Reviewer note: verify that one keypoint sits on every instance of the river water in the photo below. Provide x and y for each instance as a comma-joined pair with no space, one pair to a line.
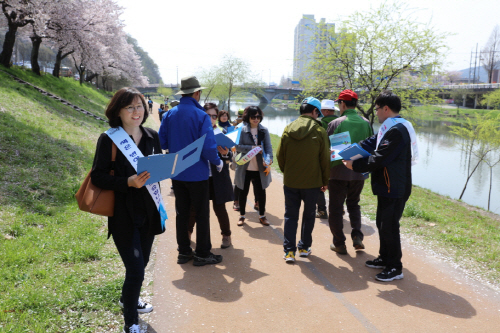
442,165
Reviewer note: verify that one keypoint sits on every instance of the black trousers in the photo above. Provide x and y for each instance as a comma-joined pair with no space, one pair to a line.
219,210
389,212
135,257
195,195
254,178
321,202
347,191
237,192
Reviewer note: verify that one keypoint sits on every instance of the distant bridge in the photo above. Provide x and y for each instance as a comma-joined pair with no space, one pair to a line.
264,94
268,93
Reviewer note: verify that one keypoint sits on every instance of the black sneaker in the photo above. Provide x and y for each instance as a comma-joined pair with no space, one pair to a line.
184,258
389,274
210,260
376,263
142,307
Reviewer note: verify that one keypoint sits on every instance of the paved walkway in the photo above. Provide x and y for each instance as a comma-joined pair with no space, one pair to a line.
254,290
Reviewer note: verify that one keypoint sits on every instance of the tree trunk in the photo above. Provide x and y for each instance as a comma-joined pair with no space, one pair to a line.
57,65
489,193
468,178
8,45
59,58
36,42
89,78
229,99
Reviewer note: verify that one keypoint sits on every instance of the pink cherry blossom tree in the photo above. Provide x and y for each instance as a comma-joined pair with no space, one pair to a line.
18,13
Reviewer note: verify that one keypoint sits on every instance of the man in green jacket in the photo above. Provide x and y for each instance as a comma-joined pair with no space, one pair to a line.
328,110
346,185
304,158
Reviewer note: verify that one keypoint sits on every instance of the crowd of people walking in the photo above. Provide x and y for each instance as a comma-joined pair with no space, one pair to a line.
303,155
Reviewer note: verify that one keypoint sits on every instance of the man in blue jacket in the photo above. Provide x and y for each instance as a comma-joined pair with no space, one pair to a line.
181,126
390,164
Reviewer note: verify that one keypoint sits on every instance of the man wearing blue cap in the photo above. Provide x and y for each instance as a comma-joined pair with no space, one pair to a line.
304,158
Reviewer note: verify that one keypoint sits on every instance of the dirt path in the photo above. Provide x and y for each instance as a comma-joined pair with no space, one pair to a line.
254,290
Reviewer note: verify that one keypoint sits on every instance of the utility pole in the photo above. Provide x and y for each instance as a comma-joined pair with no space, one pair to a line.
475,65
470,65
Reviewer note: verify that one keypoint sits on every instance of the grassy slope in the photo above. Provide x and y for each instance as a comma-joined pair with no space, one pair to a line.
59,273
469,235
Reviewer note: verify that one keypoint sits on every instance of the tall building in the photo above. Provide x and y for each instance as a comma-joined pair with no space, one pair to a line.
305,44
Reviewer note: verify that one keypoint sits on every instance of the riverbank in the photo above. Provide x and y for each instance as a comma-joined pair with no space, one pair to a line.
59,272
467,235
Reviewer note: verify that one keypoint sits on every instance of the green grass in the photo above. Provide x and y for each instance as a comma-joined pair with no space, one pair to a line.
59,272
437,112
470,235
84,96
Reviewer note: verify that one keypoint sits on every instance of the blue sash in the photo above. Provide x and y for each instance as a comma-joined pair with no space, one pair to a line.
130,150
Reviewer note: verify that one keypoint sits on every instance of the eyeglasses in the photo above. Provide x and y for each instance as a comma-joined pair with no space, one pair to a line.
131,109
214,116
256,117
380,107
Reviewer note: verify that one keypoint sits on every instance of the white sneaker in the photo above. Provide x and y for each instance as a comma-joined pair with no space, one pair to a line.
132,329
142,307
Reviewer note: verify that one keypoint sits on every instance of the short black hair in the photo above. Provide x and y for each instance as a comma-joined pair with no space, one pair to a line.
122,98
252,111
307,108
352,103
389,99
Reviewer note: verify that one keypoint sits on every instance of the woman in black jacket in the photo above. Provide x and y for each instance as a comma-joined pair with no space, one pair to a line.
220,186
136,219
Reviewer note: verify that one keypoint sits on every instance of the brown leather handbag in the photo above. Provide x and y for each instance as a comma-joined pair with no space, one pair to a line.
95,200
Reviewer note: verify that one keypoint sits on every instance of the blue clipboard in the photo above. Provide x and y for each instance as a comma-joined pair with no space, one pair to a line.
354,152
164,166
223,141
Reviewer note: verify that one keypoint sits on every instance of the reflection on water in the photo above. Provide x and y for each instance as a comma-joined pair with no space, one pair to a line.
442,166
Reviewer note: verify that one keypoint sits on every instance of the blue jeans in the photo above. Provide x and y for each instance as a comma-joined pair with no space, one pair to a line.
293,199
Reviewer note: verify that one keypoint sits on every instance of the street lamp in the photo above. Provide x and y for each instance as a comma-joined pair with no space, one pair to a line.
82,69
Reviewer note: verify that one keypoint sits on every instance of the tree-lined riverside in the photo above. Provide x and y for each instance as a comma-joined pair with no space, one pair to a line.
58,270
442,167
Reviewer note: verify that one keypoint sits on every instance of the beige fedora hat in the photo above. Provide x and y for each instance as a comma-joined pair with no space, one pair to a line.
189,85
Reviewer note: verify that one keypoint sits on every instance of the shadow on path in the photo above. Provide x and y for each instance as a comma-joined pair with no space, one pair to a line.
223,281
414,293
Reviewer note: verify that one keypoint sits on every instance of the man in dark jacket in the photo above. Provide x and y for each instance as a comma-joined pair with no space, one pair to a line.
346,185
390,165
304,158
180,127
